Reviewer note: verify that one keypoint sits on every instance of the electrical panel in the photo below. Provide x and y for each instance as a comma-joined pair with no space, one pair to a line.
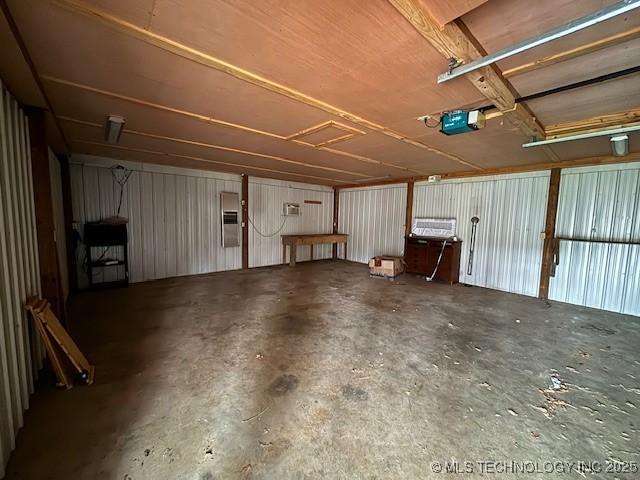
230,212
291,209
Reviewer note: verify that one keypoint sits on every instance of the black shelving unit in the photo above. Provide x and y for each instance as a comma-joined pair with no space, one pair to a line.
104,236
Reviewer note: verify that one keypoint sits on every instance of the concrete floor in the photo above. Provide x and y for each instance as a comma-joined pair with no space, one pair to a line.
322,372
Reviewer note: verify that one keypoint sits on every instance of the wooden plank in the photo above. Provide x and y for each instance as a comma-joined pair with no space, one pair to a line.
409,209
207,160
215,147
565,55
60,335
213,120
65,175
613,120
444,12
34,307
533,167
220,65
455,41
45,227
245,221
549,233
336,212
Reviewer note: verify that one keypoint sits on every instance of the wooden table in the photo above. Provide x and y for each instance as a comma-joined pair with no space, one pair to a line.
309,239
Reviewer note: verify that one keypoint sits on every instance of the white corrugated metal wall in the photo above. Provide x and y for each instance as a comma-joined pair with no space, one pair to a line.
599,203
174,219
20,350
374,219
511,209
266,199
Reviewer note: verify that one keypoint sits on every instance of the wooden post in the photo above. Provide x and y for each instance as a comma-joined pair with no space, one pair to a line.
45,226
549,233
65,175
409,211
336,210
245,221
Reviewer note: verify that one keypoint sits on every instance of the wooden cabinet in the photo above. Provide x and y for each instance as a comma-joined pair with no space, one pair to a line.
421,256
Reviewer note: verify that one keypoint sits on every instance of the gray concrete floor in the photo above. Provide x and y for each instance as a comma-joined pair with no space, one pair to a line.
319,371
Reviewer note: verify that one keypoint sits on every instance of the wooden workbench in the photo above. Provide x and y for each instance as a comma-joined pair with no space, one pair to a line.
309,239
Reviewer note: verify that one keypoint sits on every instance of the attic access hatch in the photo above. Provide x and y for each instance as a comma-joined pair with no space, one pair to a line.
326,133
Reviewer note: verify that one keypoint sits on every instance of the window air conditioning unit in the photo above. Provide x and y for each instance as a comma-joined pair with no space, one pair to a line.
434,227
290,209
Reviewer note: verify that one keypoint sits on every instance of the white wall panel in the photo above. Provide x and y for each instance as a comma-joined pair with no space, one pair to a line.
20,350
173,216
374,218
266,199
511,209
599,203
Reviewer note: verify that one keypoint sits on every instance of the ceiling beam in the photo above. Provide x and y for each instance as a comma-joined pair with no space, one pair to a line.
585,49
228,68
533,167
216,121
214,147
455,41
587,125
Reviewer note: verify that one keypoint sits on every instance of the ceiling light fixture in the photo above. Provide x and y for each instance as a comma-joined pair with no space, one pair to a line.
620,145
113,130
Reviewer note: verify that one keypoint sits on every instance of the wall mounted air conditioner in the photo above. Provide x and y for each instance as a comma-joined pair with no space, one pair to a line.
290,209
434,227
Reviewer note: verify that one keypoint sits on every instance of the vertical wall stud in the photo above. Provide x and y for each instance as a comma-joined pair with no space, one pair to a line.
47,252
65,175
549,233
336,211
409,213
245,221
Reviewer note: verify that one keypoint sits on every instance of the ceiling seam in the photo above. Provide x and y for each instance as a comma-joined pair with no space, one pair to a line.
213,120
214,147
210,61
205,160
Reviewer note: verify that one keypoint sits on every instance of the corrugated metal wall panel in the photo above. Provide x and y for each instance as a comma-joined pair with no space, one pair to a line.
267,223
374,218
600,203
20,350
511,209
173,216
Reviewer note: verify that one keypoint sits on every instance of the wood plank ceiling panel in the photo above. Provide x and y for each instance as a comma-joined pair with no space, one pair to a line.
86,134
89,107
14,70
131,155
362,57
501,23
613,96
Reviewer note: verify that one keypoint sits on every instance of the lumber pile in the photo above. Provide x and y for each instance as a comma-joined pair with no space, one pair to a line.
67,360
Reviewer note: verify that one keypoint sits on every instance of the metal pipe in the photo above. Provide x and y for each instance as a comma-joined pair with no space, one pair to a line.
580,84
581,136
559,32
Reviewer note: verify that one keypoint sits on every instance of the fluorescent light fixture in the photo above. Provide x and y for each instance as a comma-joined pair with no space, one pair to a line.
113,130
620,145
581,136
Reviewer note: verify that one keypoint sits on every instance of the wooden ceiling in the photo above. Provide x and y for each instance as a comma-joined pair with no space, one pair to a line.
323,92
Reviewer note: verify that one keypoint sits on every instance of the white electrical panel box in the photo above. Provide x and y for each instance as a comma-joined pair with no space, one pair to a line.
291,209
230,212
434,227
